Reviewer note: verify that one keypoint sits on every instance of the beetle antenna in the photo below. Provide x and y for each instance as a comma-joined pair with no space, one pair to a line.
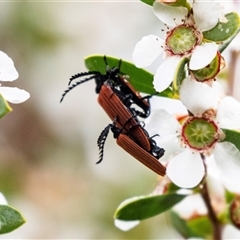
74,85
78,75
101,141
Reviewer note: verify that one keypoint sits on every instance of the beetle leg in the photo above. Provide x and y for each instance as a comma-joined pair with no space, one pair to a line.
101,141
103,136
156,150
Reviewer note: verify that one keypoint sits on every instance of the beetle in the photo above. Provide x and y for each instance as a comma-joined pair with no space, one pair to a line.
118,83
116,95
113,85
148,158
130,135
126,120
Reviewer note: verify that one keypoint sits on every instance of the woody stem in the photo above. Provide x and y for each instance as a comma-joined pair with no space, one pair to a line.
211,214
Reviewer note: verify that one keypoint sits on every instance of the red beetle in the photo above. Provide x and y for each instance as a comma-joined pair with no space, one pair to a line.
116,96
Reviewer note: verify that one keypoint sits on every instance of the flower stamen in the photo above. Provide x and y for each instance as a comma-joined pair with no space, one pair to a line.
200,133
182,39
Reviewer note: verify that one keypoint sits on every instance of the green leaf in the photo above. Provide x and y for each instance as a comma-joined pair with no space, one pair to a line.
229,196
148,2
181,226
180,74
233,137
10,219
222,31
143,207
172,188
199,227
226,43
4,107
139,78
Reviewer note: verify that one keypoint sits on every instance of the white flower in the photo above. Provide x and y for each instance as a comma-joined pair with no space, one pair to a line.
230,232
3,200
188,43
126,225
186,167
191,206
8,73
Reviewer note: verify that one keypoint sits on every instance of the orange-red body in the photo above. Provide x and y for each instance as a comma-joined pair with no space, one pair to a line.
133,138
140,154
125,120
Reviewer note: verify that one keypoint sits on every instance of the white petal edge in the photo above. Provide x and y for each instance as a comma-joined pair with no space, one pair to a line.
7,70
168,14
202,55
147,50
171,145
173,106
230,232
14,94
165,73
206,20
213,178
227,158
228,114
198,97
219,89
167,127
3,200
125,225
161,122
190,206
186,169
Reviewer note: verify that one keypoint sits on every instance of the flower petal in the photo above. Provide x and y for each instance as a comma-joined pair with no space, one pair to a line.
162,123
197,97
227,158
186,169
7,69
3,200
14,94
165,73
171,145
219,89
213,178
202,55
191,206
172,106
168,14
230,232
125,225
228,114
147,50
206,20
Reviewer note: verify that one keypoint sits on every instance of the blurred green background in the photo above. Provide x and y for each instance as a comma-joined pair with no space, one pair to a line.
48,150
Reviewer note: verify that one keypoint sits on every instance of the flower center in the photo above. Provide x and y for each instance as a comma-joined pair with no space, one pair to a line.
200,133
182,39
211,70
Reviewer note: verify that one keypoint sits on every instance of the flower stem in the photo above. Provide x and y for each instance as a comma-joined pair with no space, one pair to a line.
212,215
234,55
